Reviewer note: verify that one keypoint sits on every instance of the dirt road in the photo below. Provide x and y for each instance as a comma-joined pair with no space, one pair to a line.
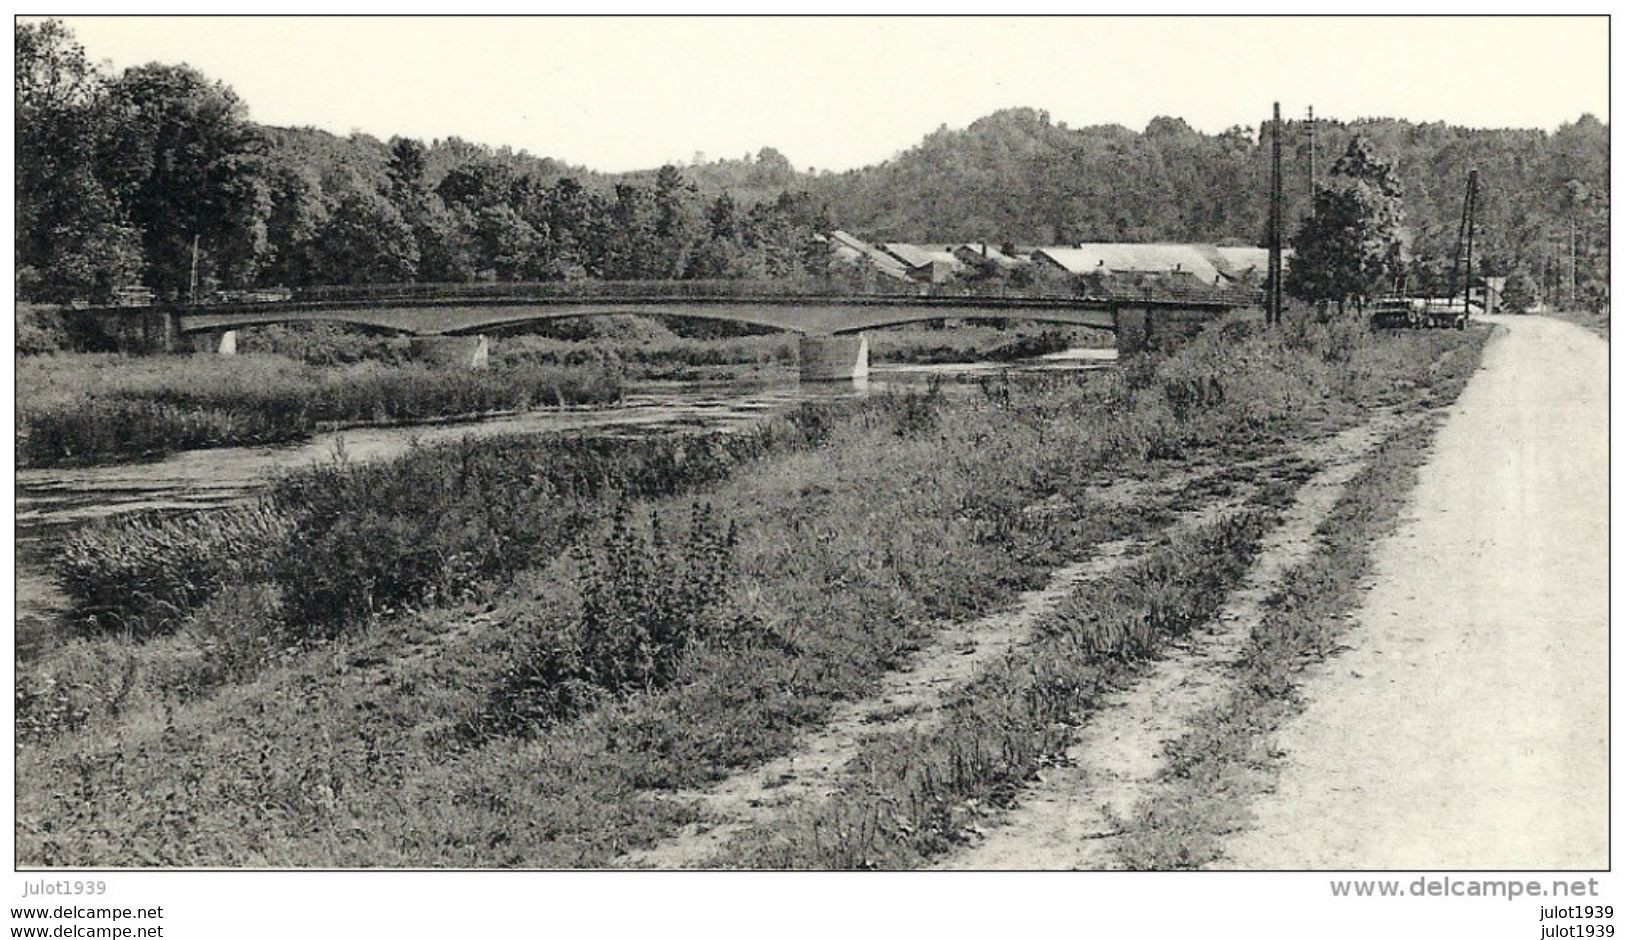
1467,725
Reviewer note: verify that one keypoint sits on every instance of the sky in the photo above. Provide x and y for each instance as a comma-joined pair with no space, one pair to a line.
835,93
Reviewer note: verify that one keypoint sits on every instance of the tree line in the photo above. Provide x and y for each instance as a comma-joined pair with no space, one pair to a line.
157,172
120,176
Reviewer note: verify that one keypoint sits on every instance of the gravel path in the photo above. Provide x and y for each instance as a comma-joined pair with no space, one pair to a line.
1466,727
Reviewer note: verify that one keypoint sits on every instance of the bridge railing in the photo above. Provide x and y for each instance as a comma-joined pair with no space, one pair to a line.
756,290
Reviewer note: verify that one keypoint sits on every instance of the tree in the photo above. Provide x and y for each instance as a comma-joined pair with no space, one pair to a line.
507,245
74,239
408,176
298,212
677,224
446,246
1349,247
365,241
182,157
630,242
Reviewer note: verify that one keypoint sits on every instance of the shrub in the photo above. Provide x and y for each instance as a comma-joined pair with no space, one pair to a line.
343,542
645,602
40,330
143,410
322,344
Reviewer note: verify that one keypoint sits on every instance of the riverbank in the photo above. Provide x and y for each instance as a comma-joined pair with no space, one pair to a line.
85,409
677,634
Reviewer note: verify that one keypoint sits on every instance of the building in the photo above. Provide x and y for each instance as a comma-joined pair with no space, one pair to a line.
852,249
1209,265
932,264
1108,258
1245,265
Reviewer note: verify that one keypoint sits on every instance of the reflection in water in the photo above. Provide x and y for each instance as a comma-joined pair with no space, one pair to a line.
51,500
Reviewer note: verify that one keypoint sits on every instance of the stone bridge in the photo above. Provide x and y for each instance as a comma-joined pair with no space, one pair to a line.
451,323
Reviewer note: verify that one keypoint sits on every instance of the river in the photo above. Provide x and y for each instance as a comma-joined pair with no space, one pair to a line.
53,500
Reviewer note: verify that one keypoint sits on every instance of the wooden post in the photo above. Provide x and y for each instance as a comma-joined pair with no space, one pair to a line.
1272,313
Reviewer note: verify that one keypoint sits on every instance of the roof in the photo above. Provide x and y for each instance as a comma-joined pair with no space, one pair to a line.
851,248
1234,261
918,256
984,252
1121,257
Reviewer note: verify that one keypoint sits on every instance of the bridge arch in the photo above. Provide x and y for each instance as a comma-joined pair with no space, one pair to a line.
811,318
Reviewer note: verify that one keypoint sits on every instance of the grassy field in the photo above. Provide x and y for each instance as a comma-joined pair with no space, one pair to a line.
660,617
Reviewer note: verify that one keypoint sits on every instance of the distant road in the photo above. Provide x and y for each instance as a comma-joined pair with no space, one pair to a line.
1468,725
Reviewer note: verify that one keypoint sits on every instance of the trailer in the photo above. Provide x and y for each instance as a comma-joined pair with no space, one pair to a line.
1401,309
1398,311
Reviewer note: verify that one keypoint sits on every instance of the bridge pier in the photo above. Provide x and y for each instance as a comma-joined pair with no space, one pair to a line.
1133,329
834,358
222,342
469,352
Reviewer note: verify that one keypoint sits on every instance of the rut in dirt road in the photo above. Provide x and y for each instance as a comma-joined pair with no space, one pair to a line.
1068,818
914,698
1466,726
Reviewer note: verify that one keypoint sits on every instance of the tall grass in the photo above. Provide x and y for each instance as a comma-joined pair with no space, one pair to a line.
343,542
972,342
98,408
86,409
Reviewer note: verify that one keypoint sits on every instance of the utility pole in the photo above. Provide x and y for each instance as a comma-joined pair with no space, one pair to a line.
1311,161
192,293
1574,303
1272,310
1461,272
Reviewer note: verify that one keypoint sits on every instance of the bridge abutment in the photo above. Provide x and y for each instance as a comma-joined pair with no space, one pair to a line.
834,358
469,352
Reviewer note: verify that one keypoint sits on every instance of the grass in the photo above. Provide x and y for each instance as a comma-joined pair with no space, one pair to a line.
421,733
915,795
344,542
1596,321
1227,758
971,342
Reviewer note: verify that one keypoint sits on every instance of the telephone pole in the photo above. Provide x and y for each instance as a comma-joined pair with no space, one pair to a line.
192,292
1574,303
1311,161
1272,310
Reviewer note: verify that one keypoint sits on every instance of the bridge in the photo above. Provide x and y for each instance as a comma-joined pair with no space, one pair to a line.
451,323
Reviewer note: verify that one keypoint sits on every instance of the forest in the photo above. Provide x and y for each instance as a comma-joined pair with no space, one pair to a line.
122,178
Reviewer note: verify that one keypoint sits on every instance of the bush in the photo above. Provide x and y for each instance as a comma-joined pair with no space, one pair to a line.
322,344
40,330
343,542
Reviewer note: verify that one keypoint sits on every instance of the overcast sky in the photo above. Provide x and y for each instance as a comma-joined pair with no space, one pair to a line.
835,93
